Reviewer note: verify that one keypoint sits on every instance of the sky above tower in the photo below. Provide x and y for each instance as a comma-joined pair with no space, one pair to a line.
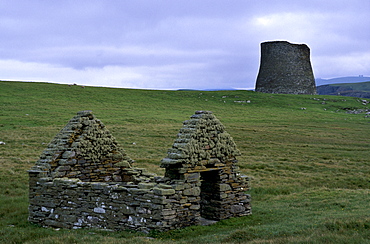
173,44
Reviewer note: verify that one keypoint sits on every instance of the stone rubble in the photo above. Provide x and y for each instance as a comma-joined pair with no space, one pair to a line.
84,179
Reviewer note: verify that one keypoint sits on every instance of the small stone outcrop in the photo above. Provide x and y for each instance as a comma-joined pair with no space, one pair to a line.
285,68
84,179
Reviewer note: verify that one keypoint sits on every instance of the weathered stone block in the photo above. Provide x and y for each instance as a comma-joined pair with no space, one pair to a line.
168,212
144,185
192,191
194,207
192,177
164,192
68,154
237,209
99,210
225,187
54,223
178,187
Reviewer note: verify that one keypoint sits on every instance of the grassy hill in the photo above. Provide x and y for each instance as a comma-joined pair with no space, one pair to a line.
347,79
360,89
307,158
359,86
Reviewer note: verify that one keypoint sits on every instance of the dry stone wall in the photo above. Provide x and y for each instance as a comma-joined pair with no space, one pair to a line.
285,68
84,179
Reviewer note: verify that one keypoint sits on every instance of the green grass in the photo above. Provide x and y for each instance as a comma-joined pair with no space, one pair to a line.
307,158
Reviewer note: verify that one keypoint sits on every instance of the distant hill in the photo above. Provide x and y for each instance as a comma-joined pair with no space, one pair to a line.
360,89
348,79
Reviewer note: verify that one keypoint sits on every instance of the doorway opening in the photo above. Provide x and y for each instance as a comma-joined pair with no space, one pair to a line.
210,200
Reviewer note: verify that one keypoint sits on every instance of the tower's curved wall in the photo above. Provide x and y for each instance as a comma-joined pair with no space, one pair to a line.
285,68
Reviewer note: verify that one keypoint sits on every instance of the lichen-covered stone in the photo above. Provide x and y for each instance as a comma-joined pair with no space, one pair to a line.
163,192
206,141
85,145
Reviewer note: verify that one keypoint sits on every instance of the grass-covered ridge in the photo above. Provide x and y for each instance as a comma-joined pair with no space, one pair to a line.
359,89
359,86
308,159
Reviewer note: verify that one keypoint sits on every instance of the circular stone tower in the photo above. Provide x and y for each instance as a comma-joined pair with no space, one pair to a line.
285,68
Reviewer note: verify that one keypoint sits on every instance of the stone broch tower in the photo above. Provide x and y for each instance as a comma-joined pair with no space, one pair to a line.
285,68
84,179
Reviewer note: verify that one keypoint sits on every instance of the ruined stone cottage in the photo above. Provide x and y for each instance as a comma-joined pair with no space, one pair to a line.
285,68
84,179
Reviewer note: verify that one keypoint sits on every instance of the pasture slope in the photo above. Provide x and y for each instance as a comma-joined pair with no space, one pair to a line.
308,159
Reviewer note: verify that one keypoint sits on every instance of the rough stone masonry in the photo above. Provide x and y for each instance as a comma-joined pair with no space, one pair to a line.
285,68
84,179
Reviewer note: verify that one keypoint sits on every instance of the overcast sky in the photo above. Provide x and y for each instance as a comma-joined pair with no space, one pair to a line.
170,44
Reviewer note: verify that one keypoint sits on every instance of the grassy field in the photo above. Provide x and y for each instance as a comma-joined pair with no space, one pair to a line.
309,160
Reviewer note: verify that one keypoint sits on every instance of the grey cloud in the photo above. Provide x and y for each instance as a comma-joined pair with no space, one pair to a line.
180,43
